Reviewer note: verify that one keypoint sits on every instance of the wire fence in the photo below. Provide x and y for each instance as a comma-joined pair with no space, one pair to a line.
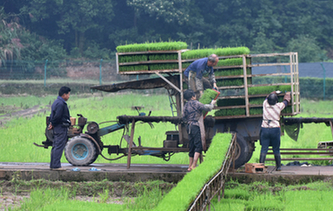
316,79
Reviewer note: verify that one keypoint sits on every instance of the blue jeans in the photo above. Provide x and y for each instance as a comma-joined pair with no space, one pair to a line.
270,137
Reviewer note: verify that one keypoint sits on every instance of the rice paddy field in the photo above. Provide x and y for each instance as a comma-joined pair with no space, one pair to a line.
19,132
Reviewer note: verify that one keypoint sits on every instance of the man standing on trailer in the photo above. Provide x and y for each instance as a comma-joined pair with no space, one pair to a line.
59,122
193,110
270,127
195,72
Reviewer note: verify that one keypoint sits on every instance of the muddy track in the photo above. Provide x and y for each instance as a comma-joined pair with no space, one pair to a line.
25,113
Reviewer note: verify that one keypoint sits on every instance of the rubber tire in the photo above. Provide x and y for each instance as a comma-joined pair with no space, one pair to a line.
243,152
88,146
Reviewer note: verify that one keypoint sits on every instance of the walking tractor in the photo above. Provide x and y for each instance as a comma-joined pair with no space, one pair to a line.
238,110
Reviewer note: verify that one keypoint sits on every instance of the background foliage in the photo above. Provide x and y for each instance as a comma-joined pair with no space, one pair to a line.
93,28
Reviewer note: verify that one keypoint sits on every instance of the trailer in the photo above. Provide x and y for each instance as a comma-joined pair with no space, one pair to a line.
246,125
243,117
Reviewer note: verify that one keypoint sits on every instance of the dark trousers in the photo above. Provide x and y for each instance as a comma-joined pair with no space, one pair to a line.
59,143
194,136
270,137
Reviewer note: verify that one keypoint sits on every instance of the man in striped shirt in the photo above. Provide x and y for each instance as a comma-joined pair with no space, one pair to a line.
192,113
270,127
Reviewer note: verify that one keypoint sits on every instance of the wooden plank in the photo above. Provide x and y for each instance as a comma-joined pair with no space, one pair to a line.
147,72
268,64
227,67
130,145
231,87
245,87
166,80
275,84
252,75
268,55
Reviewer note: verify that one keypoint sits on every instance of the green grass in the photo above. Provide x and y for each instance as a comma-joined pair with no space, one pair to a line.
181,196
99,109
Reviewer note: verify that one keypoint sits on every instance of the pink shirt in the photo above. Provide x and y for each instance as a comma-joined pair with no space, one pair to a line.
271,114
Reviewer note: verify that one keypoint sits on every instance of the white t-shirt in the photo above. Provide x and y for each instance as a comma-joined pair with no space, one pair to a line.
271,114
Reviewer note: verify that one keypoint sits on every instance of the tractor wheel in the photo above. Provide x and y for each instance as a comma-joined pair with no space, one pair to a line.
80,151
243,152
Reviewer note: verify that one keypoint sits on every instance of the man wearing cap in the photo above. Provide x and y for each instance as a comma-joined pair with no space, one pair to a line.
270,128
195,72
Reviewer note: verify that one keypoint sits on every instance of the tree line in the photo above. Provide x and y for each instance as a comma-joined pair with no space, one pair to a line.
59,29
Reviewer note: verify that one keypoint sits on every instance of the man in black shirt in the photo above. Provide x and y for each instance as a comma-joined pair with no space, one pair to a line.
59,122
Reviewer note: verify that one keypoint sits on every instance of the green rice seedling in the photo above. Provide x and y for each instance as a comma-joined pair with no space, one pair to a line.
200,53
163,66
132,48
287,110
132,58
256,111
231,82
230,72
181,196
163,57
230,102
231,112
231,62
268,89
166,46
237,193
308,200
207,96
232,51
196,54
266,201
158,46
133,68
186,64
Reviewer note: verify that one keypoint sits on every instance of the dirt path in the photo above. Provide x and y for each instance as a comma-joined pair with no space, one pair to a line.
25,113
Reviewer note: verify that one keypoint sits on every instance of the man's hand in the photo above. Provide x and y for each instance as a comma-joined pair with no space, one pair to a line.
214,85
50,127
287,97
213,102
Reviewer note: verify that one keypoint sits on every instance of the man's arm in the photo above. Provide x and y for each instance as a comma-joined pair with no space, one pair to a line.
209,107
57,114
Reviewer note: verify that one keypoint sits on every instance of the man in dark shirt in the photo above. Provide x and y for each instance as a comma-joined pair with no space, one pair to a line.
59,122
193,111
195,72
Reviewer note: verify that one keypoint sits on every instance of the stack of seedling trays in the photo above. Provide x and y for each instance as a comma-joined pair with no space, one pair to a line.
148,58
240,98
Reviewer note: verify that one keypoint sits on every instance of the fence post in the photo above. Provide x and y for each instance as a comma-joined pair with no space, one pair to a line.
100,72
324,80
45,72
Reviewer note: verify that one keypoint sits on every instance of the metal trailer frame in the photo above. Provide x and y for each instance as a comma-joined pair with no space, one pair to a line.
246,126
